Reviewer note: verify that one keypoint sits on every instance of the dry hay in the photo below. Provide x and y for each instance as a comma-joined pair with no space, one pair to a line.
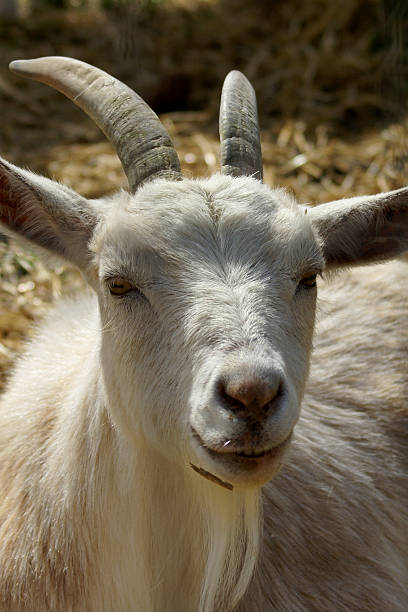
27,289
320,69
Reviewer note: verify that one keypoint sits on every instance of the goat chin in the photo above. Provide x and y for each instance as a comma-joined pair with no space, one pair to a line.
231,469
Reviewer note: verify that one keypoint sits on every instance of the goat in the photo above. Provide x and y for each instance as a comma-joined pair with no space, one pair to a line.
149,458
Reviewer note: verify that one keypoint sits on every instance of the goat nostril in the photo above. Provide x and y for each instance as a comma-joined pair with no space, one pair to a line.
231,401
273,401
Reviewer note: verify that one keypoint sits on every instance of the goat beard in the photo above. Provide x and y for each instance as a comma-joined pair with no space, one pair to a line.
234,533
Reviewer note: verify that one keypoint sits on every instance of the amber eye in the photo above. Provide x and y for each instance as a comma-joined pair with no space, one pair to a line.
120,286
309,281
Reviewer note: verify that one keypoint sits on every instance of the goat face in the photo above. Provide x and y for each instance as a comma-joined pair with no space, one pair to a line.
208,321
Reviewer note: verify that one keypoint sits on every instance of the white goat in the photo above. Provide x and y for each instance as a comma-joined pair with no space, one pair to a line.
142,433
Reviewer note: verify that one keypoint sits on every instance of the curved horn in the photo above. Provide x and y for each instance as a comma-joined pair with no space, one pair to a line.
239,131
142,144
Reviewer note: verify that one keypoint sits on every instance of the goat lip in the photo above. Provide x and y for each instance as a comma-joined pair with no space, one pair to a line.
242,456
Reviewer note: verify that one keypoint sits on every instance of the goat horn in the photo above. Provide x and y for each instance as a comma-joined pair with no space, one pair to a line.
239,130
142,144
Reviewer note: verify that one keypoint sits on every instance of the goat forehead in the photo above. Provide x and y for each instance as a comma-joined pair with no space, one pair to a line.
218,197
236,218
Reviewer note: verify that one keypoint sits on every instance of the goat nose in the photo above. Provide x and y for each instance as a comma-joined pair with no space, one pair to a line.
254,396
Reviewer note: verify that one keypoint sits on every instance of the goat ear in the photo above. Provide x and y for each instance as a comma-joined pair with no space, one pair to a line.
364,229
46,213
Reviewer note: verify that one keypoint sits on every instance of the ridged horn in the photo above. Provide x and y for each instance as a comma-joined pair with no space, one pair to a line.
239,130
141,142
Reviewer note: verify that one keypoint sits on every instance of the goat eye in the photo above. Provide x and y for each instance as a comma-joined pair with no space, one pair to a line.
120,286
309,281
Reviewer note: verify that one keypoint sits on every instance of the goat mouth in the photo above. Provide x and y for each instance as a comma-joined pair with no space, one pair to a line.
242,458
253,454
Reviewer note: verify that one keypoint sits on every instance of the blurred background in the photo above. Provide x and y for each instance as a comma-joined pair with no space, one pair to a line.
331,78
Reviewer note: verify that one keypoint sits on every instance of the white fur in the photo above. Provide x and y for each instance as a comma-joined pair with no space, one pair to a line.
101,509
